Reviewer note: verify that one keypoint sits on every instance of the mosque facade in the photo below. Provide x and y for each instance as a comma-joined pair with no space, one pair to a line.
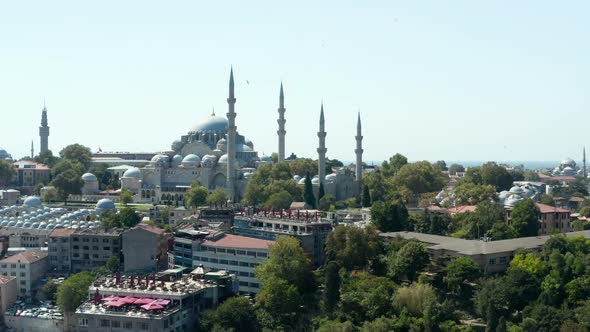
214,154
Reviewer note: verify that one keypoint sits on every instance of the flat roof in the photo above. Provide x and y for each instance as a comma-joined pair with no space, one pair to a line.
477,247
239,242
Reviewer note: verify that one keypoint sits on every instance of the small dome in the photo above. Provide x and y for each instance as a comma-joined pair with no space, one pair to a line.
331,177
315,180
177,159
105,204
243,148
132,173
191,160
568,162
222,141
160,157
249,143
265,158
517,190
301,181
211,124
296,178
223,159
89,177
32,201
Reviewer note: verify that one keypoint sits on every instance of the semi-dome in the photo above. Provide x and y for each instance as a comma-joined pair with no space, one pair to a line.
568,162
132,173
265,158
517,190
160,157
223,159
191,160
177,159
105,204
243,148
211,124
315,180
32,201
301,181
89,177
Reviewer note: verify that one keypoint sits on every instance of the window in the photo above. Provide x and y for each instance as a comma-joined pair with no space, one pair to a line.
94,248
13,266
23,282
243,274
127,325
22,274
262,254
233,262
86,248
82,321
76,239
115,323
23,290
223,261
143,326
76,247
241,252
213,260
252,253
492,261
106,248
244,264
104,323
503,260
105,240
3,266
76,254
94,255
94,240
85,239
13,274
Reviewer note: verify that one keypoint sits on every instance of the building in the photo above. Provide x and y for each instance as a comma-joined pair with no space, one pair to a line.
220,251
174,214
144,249
492,257
130,303
30,173
91,248
7,292
59,251
213,153
306,226
552,219
25,237
9,197
28,267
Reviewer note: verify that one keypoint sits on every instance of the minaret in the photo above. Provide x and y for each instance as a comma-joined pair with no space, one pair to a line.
584,164
231,138
32,150
359,154
322,148
44,130
281,121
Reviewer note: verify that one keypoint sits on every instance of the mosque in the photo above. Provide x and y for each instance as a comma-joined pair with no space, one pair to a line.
213,153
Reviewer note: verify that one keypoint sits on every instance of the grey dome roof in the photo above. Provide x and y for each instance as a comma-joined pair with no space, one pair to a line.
132,173
211,124
296,178
191,158
301,181
568,161
516,190
243,148
315,180
105,204
223,159
177,158
32,201
265,158
160,157
89,177
222,141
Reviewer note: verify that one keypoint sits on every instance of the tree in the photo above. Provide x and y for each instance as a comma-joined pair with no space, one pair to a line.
128,217
49,290
113,264
331,294
396,162
235,313
270,179
288,262
419,177
491,302
49,195
496,175
77,152
469,193
327,202
46,158
459,270
125,197
7,173
530,175
525,218
308,196
303,166
454,168
365,297
415,298
67,183
441,165
281,301
366,200
501,231
390,216
547,200
74,291
410,259
218,196
352,247
280,200
321,191
196,195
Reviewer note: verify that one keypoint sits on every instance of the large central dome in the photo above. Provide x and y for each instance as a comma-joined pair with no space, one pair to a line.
211,124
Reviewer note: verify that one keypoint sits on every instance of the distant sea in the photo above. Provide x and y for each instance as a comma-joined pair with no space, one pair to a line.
528,164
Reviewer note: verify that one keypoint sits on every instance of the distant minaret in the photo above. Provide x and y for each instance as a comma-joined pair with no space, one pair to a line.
322,148
584,163
44,130
231,138
359,154
281,121
32,150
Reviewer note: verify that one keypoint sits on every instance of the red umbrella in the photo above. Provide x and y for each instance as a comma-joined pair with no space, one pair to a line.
132,280
110,298
115,304
152,306
129,299
144,300
162,302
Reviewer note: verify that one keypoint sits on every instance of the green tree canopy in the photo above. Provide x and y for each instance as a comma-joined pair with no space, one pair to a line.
547,200
74,291
280,200
308,195
419,177
390,216
271,179
196,195
7,173
469,193
235,313
77,152
395,163
406,262
67,183
525,218
303,166
218,196
353,247
46,158
125,197
459,270
454,168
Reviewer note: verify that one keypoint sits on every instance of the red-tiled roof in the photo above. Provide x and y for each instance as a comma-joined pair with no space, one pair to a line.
237,241
544,208
28,256
435,208
61,232
150,228
576,199
462,209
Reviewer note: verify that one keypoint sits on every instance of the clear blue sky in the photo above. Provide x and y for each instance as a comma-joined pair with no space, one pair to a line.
454,80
